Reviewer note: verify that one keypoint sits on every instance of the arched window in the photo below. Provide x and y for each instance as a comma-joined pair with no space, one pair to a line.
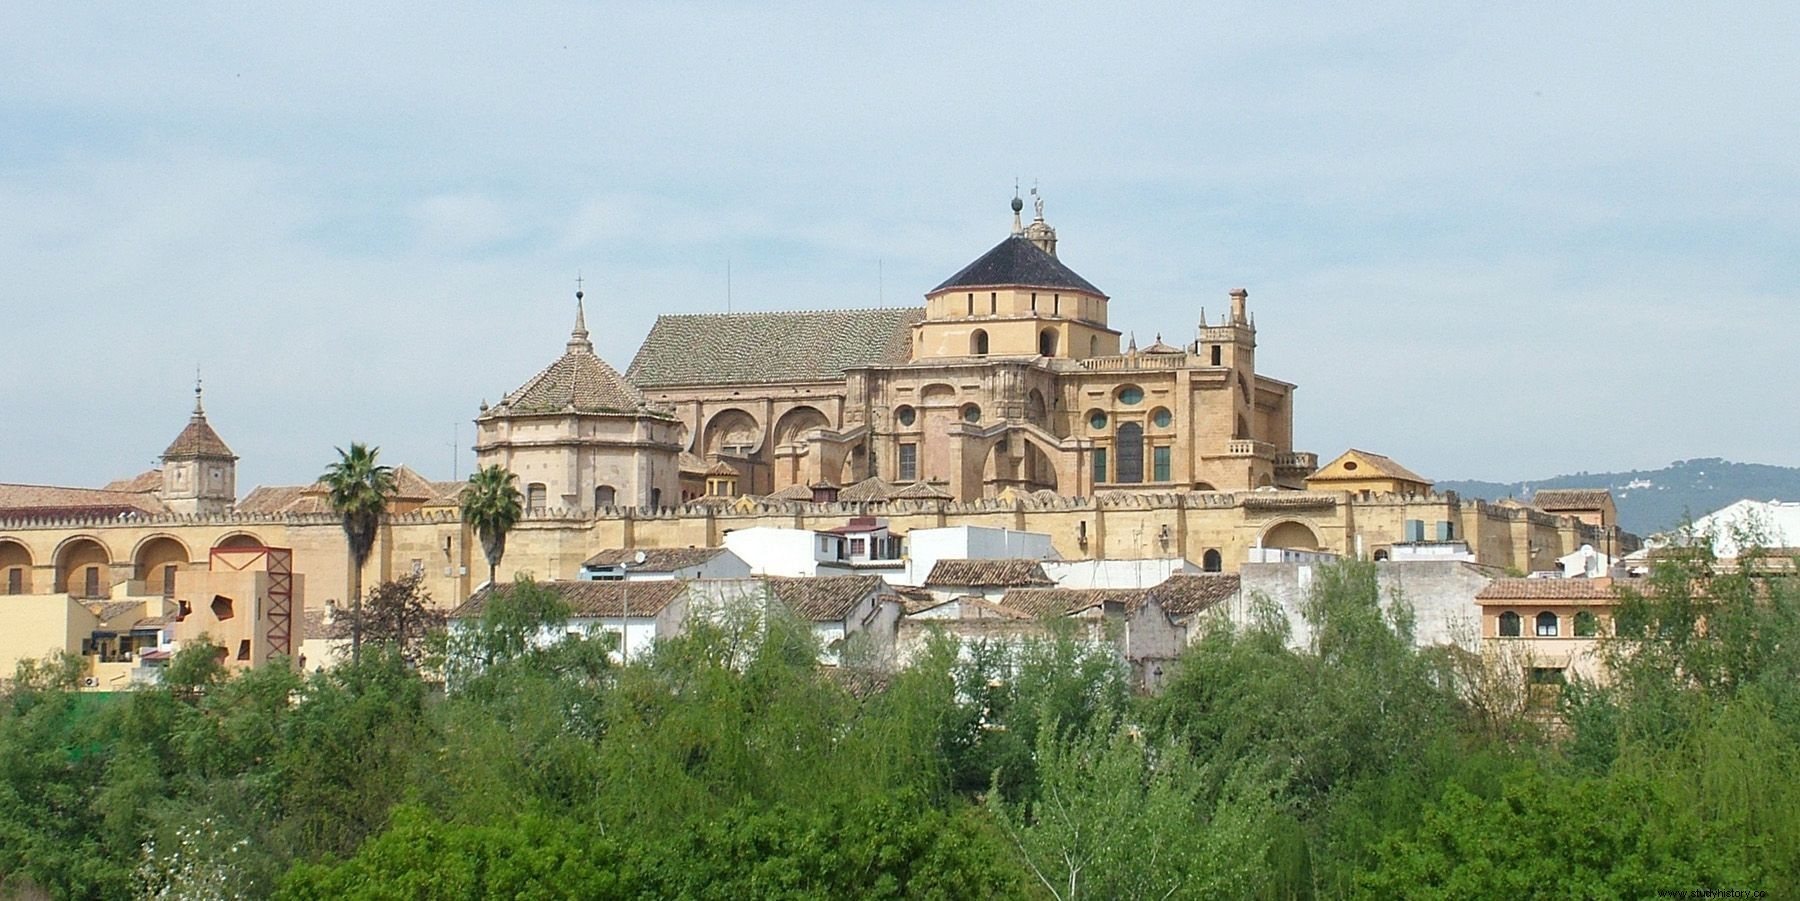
536,497
1509,625
1129,444
1212,562
1587,625
1546,625
605,496
978,343
1094,346
1381,556
1047,342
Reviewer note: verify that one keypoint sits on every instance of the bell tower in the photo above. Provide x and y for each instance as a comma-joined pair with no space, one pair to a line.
199,471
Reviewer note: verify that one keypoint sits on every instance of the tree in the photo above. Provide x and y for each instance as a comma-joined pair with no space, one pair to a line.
490,506
360,489
400,613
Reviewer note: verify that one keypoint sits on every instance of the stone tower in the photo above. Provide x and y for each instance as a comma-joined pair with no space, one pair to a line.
199,471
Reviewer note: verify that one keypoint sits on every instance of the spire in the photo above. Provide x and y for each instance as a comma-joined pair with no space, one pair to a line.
1018,206
578,339
199,409
1132,348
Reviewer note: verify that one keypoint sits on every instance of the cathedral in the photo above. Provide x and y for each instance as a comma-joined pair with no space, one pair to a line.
1007,382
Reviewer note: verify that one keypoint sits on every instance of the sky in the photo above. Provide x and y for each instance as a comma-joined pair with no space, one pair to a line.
1493,241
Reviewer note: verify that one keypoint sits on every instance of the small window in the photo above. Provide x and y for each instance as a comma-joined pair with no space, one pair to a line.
1446,531
1159,464
1094,346
244,649
222,607
1162,417
536,497
906,415
1509,625
1047,343
971,413
1131,395
1212,561
858,546
978,343
1099,464
1415,530
971,304
1218,354
1381,556
993,302
91,582
656,497
1097,420
168,580
908,470
1546,625
1587,625
605,496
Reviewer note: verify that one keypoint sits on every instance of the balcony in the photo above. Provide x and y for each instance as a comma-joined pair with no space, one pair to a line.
1302,462
1244,447
1142,361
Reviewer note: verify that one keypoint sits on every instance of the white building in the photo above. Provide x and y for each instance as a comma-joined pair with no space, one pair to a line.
663,564
925,547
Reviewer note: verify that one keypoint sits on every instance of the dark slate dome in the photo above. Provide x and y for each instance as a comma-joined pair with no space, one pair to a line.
1017,261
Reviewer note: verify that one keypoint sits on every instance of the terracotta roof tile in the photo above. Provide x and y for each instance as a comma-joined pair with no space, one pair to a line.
656,559
826,598
792,493
198,440
143,482
588,599
31,501
754,348
1039,603
869,489
921,491
1185,593
1000,573
1548,590
1554,499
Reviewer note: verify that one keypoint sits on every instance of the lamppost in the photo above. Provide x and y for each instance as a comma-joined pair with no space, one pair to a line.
637,559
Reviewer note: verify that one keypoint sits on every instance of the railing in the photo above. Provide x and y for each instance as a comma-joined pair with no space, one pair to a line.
1242,447
1299,460
1141,361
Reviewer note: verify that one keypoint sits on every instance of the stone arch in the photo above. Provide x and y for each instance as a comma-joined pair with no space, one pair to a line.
1037,412
1204,486
155,561
15,567
1047,342
732,432
1018,462
1212,561
793,425
78,559
936,393
239,540
1263,481
1290,534
978,343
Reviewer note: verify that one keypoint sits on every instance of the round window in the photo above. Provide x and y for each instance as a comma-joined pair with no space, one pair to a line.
906,415
971,413
1097,420
1349,465
1162,418
1131,395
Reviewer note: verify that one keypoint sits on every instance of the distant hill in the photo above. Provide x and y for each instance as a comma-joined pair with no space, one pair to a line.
1656,500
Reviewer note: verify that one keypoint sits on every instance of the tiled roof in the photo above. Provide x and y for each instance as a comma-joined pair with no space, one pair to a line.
578,381
793,493
689,462
1570,498
656,559
1384,467
589,599
1548,590
869,489
1160,348
117,614
148,481
1001,573
921,491
722,468
53,500
313,625
198,440
1017,262
1185,593
754,348
1039,603
825,598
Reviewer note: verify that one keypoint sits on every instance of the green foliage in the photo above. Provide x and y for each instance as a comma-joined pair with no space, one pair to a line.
400,615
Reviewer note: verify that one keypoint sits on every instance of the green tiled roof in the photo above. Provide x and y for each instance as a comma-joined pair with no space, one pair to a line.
751,348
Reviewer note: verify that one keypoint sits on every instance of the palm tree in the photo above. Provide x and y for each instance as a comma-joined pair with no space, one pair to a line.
359,492
490,505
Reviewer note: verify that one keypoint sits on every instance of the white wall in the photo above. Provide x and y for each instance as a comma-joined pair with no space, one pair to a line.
1115,573
772,551
925,547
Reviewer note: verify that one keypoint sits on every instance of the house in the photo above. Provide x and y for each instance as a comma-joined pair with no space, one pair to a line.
986,579
662,564
1553,626
1593,506
840,608
925,547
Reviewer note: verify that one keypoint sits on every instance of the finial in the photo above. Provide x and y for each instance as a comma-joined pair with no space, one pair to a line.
1017,206
1037,202
199,409
1203,317
578,338
1132,348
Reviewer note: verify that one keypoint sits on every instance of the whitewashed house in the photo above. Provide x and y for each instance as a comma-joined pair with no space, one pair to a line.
662,564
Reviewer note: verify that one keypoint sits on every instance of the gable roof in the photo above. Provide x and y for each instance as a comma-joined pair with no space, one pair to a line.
1016,262
921,491
31,501
1379,467
872,488
147,481
587,599
1000,573
1553,499
825,598
757,348
656,559
794,492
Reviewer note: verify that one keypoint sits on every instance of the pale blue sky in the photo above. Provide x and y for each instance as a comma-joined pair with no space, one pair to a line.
1496,242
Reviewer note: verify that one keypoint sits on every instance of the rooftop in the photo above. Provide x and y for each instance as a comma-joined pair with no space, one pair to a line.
999,573
1016,262
755,348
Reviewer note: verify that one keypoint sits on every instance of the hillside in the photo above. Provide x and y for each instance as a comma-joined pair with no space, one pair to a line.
1658,499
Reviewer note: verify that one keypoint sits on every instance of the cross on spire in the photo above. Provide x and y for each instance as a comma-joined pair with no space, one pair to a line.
198,409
